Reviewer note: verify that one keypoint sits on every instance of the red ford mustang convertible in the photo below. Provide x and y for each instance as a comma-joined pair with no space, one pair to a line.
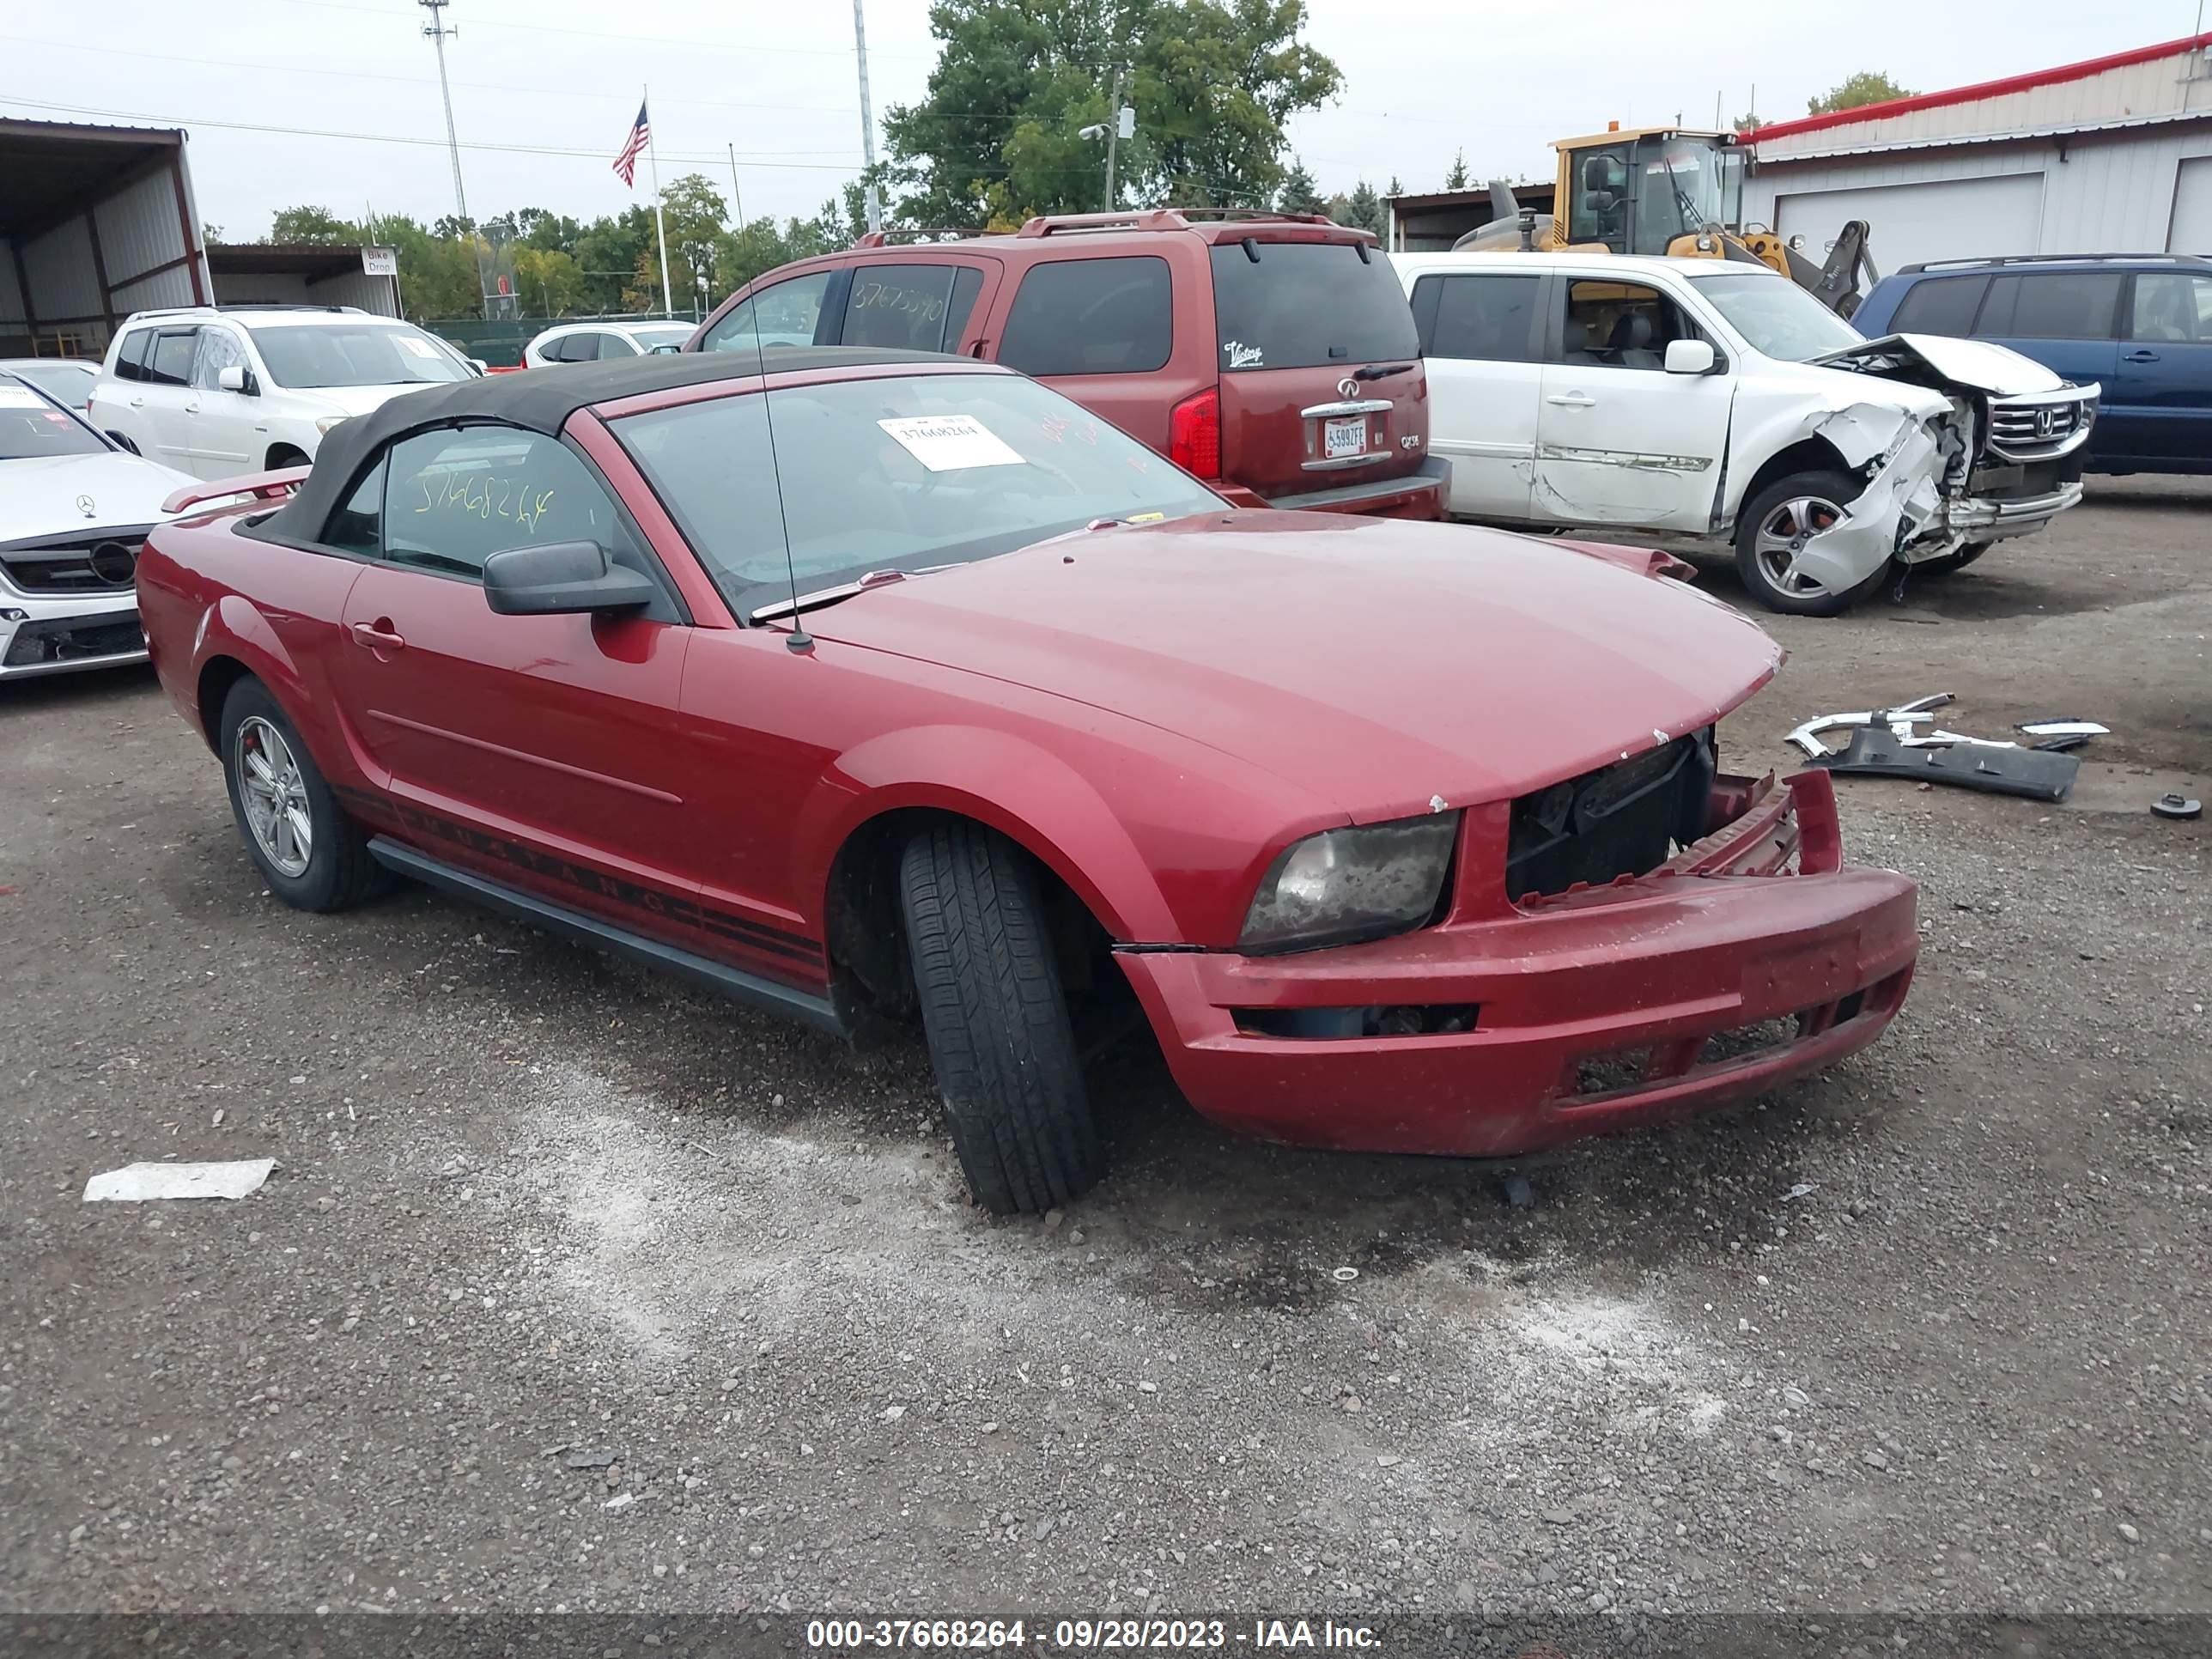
865,686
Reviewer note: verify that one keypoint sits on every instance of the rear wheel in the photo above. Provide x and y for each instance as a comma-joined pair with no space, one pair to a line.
1953,562
997,1021
285,455
1775,528
312,854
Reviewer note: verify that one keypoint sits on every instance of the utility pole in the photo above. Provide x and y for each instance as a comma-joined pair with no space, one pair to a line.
1113,131
438,30
875,207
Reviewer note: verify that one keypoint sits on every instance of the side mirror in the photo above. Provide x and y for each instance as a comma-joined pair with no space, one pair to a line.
481,367
562,579
1690,357
122,440
237,378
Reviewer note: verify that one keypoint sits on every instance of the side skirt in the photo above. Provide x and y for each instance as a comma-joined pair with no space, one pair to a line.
818,1011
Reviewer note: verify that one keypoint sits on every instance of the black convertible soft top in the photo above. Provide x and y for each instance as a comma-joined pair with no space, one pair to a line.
542,400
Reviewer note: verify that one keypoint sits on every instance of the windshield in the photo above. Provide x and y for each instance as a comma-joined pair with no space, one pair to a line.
1309,304
30,426
1683,184
306,355
905,474
1775,316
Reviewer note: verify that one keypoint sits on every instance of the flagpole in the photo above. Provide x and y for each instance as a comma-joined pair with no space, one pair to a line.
667,300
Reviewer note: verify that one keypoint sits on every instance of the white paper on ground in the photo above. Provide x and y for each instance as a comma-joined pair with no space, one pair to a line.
140,1182
948,443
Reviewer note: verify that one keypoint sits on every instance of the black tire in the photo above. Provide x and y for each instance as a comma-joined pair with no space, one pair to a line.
285,455
1823,485
340,871
1951,563
1000,1038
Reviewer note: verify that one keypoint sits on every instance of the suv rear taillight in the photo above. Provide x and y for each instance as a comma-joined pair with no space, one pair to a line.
1195,435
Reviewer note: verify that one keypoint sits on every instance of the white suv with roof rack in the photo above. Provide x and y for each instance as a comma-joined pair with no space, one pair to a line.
217,390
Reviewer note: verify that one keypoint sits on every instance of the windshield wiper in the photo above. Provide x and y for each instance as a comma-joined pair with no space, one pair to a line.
1380,371
822,596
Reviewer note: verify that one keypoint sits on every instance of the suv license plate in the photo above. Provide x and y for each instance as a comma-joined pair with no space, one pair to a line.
1346,435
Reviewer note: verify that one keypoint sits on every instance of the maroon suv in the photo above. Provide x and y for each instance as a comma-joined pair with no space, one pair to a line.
1271,355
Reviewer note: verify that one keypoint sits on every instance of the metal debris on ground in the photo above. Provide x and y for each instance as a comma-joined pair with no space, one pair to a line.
136,1183
583,1459
2173,805
1345,1275
1518,1192
1899,719
2067,726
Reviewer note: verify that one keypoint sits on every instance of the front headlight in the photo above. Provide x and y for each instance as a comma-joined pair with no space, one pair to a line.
1347,884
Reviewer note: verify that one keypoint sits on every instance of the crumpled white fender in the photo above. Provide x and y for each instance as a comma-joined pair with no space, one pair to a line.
1904,496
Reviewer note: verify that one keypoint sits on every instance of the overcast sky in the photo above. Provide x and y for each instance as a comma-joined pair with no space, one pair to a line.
1423,78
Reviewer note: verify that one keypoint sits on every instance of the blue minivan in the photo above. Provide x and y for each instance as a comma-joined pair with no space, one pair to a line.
2139,325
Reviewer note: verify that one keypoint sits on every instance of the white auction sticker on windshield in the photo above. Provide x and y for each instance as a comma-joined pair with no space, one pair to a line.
17,397
949,443
421,348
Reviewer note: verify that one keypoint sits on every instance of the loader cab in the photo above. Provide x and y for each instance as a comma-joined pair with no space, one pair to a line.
1636,192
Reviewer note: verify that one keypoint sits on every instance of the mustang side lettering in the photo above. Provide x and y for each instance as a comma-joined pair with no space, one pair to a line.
957,706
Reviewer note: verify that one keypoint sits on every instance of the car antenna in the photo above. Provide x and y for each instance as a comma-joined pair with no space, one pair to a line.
798,640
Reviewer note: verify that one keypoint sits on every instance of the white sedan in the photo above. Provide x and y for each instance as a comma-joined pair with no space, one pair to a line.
74,509
587,342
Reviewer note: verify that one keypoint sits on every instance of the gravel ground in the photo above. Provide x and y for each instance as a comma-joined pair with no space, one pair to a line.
1926,1333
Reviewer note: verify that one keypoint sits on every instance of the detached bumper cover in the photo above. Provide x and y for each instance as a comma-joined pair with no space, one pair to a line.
1600,1010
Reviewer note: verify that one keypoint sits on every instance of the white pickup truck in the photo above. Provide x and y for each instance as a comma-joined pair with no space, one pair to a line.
1711,397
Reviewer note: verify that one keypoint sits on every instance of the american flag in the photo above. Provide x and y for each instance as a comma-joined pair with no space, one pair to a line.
633,147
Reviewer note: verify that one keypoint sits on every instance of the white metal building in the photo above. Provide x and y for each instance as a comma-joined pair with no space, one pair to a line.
97,222
2111,155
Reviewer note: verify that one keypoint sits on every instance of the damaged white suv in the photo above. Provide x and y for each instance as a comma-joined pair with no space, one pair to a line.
1710,398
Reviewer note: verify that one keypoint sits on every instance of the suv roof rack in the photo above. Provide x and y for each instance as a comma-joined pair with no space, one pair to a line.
1168,218
920,234
209,311
2052,259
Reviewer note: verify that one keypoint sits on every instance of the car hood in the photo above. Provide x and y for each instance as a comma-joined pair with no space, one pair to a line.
1381,664
45,495
1981,365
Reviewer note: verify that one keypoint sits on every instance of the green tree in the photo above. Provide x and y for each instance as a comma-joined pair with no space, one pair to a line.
547,282
295,225
606,254
1396,188
1459,178
210,235
1297,193
695,216
1363,209
997,138
1867,86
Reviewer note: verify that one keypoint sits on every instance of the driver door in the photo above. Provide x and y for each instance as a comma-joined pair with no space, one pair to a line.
537,750
1619,439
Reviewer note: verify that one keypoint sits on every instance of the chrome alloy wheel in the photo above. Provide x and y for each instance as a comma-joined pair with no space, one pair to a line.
1783,534
275,795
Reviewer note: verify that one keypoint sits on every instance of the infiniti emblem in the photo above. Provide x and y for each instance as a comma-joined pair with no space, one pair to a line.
1347,387
84,506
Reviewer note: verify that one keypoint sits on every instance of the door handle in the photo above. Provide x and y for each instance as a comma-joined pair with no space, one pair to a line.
1573,400
2141,357
191,409
137,403
378,635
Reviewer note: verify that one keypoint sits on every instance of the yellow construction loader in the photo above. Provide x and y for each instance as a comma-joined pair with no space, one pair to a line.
1667,191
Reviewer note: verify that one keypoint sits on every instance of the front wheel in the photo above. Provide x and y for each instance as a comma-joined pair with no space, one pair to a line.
997,1022
1776,526
313,855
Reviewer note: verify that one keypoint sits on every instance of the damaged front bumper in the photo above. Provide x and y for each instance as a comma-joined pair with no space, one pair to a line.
1752,958
1981,519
